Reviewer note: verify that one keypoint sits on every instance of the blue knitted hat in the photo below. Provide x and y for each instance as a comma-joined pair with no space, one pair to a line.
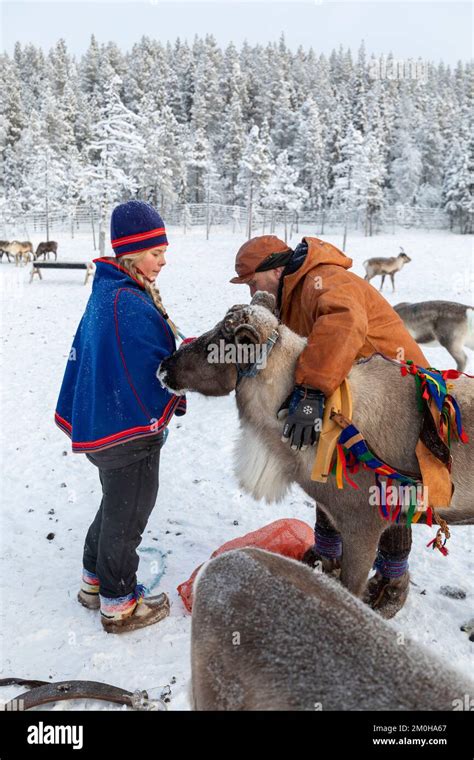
135,226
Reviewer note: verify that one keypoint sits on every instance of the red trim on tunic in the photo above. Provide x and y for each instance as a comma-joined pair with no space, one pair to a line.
62,421
154,427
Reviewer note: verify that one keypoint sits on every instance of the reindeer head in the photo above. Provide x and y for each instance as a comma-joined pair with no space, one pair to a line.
209,364
403,256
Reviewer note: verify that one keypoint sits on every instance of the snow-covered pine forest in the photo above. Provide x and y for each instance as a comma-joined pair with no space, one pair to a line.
257,127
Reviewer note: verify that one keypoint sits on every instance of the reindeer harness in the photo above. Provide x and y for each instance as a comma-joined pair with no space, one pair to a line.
254,367
351,450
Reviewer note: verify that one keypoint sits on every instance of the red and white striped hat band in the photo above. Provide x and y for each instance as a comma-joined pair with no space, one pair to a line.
139,242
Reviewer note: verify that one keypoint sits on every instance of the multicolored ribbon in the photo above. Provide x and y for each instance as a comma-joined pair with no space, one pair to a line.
432,384
351,450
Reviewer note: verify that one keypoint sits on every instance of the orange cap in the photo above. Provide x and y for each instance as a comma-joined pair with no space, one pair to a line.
253,253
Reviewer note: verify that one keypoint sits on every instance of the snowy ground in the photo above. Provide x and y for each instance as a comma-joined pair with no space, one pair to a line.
45,632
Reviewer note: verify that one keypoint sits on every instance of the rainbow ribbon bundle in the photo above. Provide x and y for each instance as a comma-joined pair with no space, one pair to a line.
432,384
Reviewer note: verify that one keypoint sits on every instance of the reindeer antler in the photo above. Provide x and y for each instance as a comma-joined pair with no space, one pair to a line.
237,315
262,298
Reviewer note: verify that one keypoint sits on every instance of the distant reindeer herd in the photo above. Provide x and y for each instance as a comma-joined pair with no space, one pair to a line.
22,251
446,323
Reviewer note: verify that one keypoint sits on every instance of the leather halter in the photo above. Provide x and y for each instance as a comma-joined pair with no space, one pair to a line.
254,368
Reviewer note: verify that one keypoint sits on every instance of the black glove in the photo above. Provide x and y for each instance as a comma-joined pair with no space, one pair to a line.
305,408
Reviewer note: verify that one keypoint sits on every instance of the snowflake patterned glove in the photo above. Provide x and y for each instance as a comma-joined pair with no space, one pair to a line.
305,413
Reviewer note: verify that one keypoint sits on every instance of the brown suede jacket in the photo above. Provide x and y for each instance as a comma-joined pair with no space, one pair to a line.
343,316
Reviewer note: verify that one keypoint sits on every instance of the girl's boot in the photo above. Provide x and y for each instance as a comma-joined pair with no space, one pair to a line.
128,613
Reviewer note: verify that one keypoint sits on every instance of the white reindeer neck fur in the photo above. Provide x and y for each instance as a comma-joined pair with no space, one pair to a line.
259,469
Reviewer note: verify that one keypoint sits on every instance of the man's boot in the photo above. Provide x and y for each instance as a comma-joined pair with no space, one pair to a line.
387,590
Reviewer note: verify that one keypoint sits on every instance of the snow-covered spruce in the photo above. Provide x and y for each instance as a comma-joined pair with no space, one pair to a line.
259,125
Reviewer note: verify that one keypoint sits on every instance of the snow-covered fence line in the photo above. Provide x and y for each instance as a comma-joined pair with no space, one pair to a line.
233,218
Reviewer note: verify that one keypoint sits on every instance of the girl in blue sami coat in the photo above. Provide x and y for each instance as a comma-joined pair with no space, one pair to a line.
114,409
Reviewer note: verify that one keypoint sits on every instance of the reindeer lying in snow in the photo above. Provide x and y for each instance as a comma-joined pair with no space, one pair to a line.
266,467
304,643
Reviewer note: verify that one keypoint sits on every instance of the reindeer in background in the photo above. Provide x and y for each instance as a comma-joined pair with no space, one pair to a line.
4,250
385,266
21,251
45,248
446,323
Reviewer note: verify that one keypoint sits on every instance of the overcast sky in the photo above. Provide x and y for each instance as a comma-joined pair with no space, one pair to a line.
420,28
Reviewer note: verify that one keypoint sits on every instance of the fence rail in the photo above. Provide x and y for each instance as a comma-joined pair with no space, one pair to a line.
215,215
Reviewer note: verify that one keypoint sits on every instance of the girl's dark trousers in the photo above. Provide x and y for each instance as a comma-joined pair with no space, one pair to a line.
129,474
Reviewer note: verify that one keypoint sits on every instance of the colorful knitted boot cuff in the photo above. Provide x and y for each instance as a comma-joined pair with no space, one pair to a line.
90,582
122,606
391,566
328,544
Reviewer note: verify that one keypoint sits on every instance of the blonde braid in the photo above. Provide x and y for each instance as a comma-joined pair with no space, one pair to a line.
130,263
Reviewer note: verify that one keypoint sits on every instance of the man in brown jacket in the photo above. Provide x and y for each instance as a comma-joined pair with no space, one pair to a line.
344,319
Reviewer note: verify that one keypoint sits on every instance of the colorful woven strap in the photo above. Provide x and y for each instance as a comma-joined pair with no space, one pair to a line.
351,448
352,440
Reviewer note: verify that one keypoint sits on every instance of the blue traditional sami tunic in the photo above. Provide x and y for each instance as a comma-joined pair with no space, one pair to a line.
110,392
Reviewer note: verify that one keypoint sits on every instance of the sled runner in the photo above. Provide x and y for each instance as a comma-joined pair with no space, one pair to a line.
45,692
